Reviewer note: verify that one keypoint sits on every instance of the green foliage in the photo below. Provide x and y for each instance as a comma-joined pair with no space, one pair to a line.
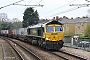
5,25
16,25
87,31
30,17
88,50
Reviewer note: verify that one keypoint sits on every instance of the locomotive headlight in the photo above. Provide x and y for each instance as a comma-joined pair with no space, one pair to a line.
47,38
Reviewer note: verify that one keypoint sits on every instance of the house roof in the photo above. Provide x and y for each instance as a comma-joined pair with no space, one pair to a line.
62,21
76,20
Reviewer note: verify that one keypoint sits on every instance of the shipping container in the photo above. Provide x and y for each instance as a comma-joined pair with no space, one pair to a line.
10,32
17,31
22,31
25,31
4,31
0,32
14,31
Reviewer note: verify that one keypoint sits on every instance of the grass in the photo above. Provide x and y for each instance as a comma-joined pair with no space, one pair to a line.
87,50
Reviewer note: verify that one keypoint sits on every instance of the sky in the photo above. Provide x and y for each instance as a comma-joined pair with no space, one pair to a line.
50,9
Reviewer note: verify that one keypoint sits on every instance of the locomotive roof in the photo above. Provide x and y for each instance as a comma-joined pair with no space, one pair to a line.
43,24
54,22
37,25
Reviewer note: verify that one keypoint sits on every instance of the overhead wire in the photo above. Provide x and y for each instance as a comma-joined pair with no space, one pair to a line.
37,4
87,0
68,10
24,2
11,4
23,9
39,1
33,12
59,7
26,7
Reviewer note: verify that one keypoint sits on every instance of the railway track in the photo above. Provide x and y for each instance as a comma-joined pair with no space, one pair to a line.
21,57
3,51
23,52
59,58
7,51
73,55
62,55
67,56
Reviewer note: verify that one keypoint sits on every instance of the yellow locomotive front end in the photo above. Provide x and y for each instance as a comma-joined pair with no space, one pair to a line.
54,34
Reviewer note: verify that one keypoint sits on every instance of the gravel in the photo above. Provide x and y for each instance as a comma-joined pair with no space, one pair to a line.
78,52
1,53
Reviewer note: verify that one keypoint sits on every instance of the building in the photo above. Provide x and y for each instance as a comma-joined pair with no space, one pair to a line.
75,26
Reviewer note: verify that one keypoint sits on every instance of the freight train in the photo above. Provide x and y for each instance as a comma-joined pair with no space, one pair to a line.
47,35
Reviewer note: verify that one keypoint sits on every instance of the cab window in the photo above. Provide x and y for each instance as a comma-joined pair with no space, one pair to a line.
49,29
58,28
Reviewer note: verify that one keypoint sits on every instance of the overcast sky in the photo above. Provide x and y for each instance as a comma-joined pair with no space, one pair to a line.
50,9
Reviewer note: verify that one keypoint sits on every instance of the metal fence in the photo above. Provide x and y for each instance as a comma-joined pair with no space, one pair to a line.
68,41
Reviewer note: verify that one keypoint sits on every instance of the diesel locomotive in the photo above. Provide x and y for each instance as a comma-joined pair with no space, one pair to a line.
47,35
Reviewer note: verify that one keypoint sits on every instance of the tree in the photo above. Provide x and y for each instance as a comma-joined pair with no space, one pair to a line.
30,17
57,18
16,25
5,25
87,31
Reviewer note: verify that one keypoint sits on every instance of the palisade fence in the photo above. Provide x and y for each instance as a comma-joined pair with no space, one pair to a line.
68,41
84,39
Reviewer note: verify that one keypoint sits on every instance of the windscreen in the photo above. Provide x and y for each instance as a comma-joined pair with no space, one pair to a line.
49,29
58,28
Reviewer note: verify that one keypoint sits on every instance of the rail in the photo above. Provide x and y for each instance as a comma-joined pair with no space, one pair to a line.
73,55
14,50
38,58
3,50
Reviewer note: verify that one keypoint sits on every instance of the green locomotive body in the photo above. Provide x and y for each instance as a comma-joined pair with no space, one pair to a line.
42,35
